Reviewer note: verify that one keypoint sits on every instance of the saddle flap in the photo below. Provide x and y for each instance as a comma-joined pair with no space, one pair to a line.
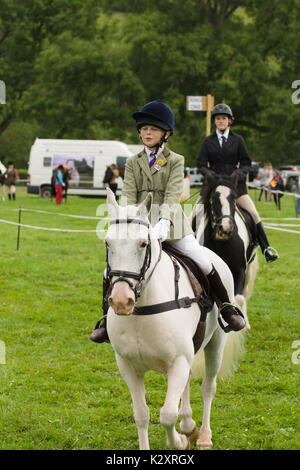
198,279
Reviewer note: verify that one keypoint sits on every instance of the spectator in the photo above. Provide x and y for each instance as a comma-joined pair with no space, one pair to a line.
264,178
2,185
276,188
11,178
59,184
110,177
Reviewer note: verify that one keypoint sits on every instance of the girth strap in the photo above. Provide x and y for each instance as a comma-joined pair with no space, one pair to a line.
184,302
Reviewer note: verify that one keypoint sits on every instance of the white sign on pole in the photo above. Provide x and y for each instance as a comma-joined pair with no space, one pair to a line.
195,103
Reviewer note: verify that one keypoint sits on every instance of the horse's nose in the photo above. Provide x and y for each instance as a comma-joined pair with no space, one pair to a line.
227,226
224,230
122,299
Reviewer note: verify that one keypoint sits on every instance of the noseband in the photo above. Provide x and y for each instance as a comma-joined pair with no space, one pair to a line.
126,275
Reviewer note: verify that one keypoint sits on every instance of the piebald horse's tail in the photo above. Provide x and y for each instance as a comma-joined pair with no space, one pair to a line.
233,352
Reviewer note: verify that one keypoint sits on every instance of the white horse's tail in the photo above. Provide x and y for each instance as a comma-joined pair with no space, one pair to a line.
233,352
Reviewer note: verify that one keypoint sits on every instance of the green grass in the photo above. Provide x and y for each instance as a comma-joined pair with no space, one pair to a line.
58,390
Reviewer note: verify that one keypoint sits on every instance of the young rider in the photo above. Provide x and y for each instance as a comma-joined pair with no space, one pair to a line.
226,153
159,170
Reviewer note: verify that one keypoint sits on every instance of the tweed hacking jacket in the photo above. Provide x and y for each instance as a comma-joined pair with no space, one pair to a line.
165,181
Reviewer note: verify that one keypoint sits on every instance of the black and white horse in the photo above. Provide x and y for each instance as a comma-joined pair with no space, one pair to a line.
224,228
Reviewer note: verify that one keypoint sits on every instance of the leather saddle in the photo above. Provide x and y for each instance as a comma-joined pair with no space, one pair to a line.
200,286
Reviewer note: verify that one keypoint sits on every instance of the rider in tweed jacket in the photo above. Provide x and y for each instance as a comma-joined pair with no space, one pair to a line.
158,170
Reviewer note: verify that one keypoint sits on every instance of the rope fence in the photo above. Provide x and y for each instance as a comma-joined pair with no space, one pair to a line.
50,229
282,226
276,191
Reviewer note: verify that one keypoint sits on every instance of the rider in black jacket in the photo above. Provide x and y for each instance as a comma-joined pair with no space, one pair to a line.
225,152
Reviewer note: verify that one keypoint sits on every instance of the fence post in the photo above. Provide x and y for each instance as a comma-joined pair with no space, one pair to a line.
19,228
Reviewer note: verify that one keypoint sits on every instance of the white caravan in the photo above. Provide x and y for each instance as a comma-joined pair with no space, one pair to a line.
86,161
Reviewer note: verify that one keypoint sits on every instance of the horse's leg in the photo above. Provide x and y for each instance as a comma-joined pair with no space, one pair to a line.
178,376
242,304
136,386
213,359
187,424
240,299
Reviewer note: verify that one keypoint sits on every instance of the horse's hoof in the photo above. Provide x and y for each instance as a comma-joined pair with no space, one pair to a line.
185,443
204,442
193,436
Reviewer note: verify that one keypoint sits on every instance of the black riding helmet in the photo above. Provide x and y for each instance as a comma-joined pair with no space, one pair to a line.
221,108
156,113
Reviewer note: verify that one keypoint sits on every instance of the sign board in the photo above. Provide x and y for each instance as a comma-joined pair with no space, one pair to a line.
196,103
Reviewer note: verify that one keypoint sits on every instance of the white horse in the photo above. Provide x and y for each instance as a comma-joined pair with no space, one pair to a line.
142,275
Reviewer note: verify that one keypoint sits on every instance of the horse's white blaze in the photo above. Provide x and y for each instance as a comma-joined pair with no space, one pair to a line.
225,207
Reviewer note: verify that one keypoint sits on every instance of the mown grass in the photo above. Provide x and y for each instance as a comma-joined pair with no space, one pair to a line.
58,390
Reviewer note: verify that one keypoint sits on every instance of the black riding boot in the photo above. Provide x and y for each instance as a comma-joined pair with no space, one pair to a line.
100,335
229,312
269,253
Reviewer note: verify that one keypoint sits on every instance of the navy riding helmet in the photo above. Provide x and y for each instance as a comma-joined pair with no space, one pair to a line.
158,114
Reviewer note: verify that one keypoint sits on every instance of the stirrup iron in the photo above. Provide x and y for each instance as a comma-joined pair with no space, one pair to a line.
227,328
273,251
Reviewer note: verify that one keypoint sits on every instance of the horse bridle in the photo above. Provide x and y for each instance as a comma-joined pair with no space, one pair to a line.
216,221
127,275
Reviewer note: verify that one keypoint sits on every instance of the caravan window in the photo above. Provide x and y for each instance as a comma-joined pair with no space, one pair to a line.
47,161
121,161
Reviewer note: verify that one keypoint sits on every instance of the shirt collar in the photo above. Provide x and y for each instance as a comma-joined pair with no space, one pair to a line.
219,134
148,152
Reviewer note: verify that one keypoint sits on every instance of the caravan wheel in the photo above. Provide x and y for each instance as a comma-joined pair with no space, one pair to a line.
46,192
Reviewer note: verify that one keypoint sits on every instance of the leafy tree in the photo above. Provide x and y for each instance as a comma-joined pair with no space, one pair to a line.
79,69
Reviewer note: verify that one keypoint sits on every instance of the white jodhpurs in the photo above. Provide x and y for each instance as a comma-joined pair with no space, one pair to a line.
190,247
246,202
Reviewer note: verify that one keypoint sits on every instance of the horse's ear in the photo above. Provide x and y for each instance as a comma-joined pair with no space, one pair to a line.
145,207
112,203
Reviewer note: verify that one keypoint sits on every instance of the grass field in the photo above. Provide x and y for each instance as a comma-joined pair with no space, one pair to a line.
58,390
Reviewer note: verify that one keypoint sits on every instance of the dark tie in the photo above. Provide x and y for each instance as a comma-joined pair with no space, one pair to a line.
223,141
151,163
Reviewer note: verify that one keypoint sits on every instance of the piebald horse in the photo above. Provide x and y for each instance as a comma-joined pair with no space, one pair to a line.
222,227
142,275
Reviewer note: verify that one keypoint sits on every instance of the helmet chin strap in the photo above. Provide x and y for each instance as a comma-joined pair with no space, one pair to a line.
159,144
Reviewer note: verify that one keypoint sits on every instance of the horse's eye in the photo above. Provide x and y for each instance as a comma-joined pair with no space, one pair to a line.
143,244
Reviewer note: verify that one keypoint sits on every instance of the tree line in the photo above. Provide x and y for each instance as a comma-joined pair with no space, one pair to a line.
77,69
